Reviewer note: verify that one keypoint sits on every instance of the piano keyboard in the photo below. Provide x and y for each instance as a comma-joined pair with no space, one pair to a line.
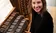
14,24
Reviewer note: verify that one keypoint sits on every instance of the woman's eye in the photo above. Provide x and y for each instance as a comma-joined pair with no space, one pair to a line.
33,2
38,2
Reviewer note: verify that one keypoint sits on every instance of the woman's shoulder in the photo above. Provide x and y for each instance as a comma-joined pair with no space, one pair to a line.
47,14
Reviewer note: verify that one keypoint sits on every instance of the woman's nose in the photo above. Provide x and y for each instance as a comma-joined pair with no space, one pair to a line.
36,5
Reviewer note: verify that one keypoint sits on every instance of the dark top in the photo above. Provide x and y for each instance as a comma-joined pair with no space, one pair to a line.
41,24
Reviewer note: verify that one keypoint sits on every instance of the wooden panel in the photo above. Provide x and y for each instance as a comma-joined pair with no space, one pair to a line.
52,11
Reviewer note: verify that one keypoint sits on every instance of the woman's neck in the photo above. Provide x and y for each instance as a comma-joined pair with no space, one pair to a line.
40,14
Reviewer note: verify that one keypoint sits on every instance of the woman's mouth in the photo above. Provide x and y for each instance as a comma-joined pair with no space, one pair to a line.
37,9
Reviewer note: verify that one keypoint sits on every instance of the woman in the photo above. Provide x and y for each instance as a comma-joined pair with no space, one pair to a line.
42,21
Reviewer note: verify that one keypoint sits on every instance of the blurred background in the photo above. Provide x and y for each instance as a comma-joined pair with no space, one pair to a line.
7,7
51,7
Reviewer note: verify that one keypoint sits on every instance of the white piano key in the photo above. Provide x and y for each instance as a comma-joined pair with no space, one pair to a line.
9,30
17,30
12,26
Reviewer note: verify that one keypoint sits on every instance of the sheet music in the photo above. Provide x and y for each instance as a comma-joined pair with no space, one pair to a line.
5,8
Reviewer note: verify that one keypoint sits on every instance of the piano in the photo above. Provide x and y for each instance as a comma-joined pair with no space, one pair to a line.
14,24
18,19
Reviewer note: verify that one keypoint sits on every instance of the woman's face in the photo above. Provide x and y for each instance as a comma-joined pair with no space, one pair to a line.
37,5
